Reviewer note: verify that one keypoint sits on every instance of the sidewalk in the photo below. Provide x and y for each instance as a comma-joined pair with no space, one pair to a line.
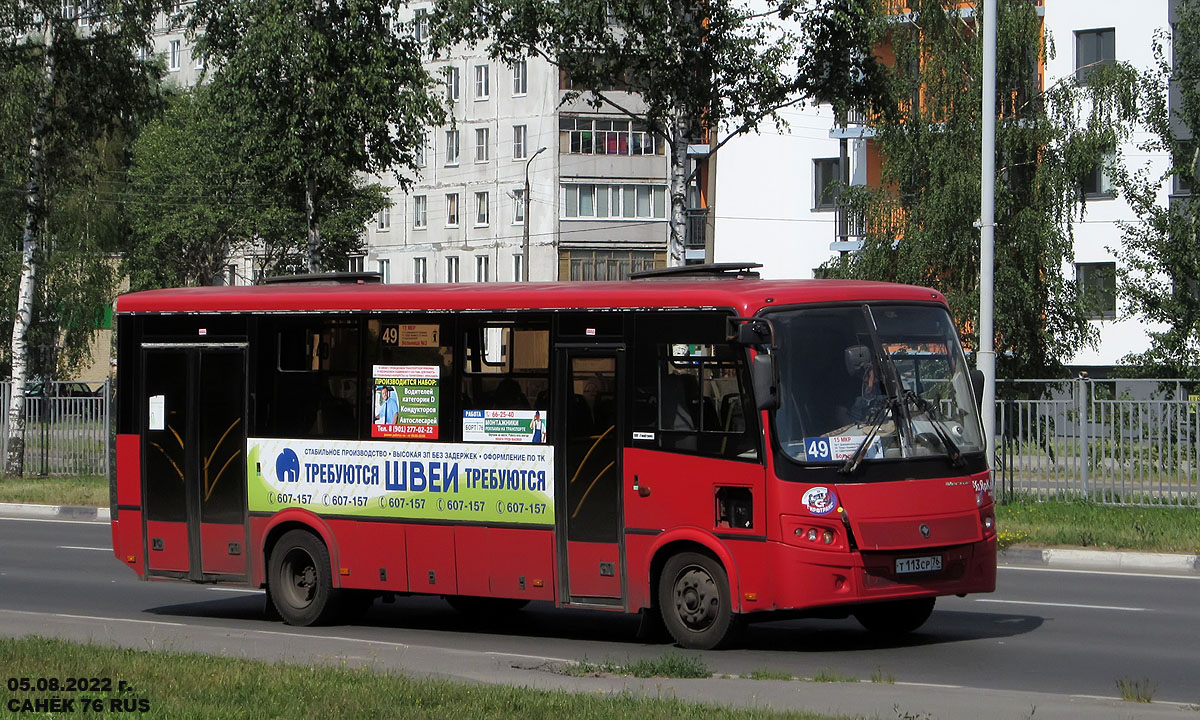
1066,558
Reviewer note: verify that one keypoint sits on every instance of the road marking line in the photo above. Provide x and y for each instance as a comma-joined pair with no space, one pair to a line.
1182,705
531,657
83,547
236,590
1064,605
929,685
92,617
1101,572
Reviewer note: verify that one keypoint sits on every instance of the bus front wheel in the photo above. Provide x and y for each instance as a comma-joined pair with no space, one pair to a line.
897,617
300,583
693,595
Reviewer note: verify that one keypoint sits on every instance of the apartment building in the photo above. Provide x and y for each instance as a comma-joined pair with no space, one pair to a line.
773,201
596,209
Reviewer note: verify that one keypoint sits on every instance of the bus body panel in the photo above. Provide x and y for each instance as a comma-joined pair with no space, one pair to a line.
129,471
642,555
665,489
432,566
595,569
517,562
127,540
913,514
168,546
222,549
264,527
375,554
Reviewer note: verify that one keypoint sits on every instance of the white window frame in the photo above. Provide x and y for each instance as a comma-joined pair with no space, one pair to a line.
452,210
452,83
384,268
520,142
421,25
420,212
518,197
452,269
482,215
452,148
421,154
384,219
482,268
420,270
482,136
355,263
482,92
612,202
174,50
518,263
520,78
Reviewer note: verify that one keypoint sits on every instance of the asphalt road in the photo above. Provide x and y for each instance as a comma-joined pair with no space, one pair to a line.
1061,635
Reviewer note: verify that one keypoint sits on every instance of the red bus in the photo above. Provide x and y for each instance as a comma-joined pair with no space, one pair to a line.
698,445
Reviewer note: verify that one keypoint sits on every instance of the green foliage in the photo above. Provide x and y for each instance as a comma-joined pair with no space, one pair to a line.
921,223
315,94
1160,253
1089,524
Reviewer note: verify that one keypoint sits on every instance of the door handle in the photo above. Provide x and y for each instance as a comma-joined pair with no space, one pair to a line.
642,490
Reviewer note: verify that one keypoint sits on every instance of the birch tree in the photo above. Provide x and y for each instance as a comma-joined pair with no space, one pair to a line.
85,81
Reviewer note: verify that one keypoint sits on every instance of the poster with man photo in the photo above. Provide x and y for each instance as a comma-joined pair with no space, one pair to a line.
406,401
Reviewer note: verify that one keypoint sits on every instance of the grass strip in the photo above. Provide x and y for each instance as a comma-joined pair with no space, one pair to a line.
1086,524
180,685
84,491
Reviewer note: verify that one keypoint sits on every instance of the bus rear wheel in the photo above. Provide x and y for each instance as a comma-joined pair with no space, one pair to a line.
299,579
693,595
897,617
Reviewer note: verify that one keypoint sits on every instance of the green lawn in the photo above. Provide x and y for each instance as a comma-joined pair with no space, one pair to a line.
86,491
177,685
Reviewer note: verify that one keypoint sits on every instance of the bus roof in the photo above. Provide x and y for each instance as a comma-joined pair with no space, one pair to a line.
745,296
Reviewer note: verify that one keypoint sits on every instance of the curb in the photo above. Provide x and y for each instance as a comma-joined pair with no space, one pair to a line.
1101,559
55,512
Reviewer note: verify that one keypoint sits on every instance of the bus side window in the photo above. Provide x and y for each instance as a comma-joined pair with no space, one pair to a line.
506,365
701,393
311,388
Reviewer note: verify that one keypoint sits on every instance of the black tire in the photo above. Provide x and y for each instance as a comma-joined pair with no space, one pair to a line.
485,608
300,582
897,617
693,597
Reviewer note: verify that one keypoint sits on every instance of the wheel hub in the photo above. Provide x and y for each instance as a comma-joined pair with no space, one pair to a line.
696,599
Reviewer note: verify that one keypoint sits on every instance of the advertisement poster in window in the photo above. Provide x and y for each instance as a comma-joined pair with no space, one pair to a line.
504,426
405,401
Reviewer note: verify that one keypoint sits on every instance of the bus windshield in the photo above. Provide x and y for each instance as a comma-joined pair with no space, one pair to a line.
873,382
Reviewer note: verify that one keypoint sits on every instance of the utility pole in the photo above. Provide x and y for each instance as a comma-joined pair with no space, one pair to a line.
986,361
525,240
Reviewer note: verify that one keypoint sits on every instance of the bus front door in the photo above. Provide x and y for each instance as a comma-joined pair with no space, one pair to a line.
193,460
589,472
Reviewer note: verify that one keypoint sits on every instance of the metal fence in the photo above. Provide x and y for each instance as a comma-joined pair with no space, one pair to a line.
66,428
1123,442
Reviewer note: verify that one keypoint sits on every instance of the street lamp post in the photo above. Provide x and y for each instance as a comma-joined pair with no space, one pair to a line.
525,240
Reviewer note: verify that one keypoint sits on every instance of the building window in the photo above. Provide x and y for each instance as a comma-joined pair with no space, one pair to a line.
451,84
199,60
520,78
826,176
1093,49
228,276
481,209
451,209
385,219
420,206
614,201
420,155
1097,284
520,138
1098,184
451,269
518,267
580,265
451,147
420,270
384,268
481,82
173,56
604,136
518,197
481,145
354,263
481,268
421,26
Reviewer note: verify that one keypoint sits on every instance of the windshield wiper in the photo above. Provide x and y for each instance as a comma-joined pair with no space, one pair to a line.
890,379
860,452
953,453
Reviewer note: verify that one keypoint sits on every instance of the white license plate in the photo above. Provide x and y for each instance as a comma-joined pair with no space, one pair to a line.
918,564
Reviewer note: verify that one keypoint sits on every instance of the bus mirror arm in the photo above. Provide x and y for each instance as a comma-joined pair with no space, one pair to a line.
766,388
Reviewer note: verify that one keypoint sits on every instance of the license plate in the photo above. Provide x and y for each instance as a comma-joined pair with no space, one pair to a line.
918,564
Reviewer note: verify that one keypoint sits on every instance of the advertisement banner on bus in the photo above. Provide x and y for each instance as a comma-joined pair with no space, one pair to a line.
406,401
418,481
516,426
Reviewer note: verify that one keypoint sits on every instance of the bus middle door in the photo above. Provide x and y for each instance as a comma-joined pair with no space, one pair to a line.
588,488
194,465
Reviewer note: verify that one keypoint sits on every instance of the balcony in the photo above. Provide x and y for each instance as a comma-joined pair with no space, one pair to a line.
695,234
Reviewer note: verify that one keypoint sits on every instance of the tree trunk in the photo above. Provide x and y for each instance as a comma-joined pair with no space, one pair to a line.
314,229
677,188
14,464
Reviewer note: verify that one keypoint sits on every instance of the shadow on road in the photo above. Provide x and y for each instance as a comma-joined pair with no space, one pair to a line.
542,620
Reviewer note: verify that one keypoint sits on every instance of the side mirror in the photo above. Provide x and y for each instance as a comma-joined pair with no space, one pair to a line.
766,390
977,386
